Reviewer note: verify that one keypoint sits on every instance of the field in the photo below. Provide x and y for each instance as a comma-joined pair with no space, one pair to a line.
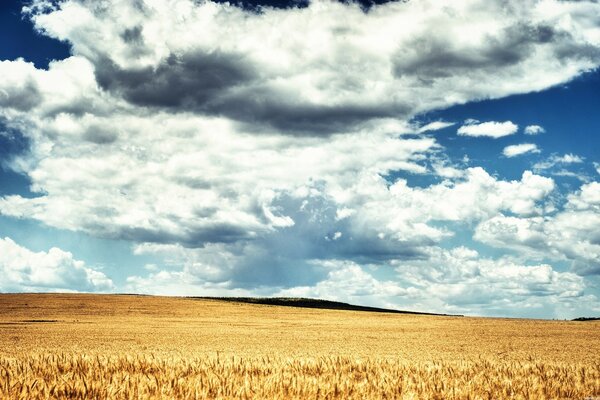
128,347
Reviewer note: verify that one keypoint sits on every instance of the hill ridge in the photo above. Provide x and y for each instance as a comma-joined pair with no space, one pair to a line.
305,302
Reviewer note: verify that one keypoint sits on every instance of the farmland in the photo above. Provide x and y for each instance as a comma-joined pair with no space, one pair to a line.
117,346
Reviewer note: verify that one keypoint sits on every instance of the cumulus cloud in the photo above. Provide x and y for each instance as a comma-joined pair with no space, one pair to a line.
171,180
460,280
487,129
534,130
520,149
55,270
263,69
587,198
19,91
474,197
569,235
369,224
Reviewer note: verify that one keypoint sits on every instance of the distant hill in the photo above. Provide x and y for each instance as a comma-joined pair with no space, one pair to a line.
587,319
314,303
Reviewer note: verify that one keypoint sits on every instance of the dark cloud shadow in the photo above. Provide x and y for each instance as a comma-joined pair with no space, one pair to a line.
438,57
186,82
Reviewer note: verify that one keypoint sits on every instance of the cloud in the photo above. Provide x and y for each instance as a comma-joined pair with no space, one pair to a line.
243,201
177,283
256,68
368,224
588,197
519,149
19,91
435,126
474,197
555,159
487,129
569,235
565,173
55,270
201,187
446,171
533,130
460,280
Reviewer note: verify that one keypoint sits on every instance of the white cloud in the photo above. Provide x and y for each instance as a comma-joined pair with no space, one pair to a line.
55,270
571,235
569,159
169,179
555,159
476,196
489,129
565,173
266,70
512,232
435,126
107,200
368,223
588,197
460,280
520,149
446,171
533,130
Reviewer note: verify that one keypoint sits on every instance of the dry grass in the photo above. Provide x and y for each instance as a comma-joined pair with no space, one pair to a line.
85,346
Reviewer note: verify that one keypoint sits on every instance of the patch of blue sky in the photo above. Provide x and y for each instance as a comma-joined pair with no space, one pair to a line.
19,40
12,144
568,113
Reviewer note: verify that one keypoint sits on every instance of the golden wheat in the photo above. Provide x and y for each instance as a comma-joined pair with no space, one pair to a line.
129,347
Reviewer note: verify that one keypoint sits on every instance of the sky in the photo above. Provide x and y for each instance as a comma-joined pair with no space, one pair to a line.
416,155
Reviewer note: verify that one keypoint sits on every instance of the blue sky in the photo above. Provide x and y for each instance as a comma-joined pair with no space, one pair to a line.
403,155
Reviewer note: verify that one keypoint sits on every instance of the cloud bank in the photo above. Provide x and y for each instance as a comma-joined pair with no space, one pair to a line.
55,270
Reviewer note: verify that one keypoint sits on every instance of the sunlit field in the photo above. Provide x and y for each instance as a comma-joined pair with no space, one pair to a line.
123,347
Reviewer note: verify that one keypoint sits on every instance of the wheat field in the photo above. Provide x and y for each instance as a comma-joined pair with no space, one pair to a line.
75,346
